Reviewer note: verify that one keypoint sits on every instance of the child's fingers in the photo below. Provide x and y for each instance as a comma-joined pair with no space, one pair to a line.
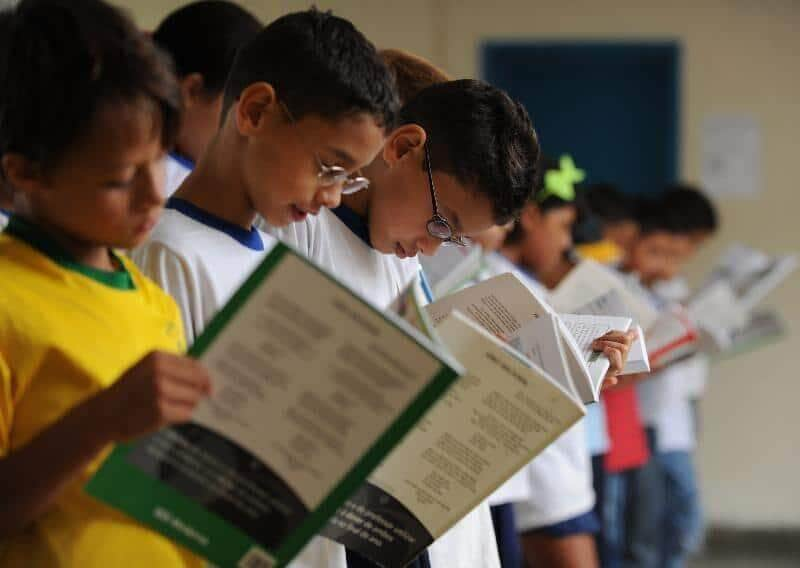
602,345
173,412
620,336
615,357
181,392
608,382
185,370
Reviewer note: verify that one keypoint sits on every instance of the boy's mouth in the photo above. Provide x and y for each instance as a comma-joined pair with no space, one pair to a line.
402,252
147,225
298,214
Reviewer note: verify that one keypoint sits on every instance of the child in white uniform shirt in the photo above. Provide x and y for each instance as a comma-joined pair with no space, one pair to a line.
202,39
287,146
668,399
463,159
557,521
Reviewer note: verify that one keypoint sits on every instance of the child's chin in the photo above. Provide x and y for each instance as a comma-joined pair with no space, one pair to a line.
134,241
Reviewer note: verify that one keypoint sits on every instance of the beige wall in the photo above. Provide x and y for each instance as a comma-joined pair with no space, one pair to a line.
739,55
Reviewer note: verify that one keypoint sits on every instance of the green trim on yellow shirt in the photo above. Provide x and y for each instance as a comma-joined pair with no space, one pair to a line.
29,233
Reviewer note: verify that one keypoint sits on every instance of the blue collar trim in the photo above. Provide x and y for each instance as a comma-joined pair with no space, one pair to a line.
182,160
251,239
356,223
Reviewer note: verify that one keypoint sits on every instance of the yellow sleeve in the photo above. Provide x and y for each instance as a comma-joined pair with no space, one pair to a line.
6,406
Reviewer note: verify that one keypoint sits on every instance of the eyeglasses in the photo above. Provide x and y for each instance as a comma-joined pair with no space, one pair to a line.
332,175
439,227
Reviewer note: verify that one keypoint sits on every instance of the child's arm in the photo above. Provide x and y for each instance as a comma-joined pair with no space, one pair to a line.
160,389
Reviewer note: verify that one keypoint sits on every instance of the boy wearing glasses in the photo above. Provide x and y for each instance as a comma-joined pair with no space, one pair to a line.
286,148
463,159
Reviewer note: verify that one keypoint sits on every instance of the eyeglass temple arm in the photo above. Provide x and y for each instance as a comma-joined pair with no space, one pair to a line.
430,180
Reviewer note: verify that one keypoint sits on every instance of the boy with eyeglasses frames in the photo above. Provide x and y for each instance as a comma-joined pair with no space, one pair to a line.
463,158
285,149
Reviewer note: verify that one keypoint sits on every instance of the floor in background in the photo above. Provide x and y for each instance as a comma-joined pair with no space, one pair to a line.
744,561
731,548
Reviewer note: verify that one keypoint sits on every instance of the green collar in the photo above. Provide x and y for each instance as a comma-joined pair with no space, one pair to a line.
32,235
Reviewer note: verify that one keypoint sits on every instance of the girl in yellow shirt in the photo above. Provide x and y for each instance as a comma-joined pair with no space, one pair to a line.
88,346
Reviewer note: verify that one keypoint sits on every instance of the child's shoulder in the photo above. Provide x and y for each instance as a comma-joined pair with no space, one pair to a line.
150,292
21,265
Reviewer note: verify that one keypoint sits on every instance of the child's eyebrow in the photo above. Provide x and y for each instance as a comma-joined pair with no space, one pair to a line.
455,221
345,159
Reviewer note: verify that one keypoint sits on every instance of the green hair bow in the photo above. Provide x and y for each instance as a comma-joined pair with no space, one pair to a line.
561,182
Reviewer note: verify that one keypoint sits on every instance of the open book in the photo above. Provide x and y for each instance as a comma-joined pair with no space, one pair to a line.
713,319
491,423
451,268
752,274
504,306
600,315
764,327
590,280
313,388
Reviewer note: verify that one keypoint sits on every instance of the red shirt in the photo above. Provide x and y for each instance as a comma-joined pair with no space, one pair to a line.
627,438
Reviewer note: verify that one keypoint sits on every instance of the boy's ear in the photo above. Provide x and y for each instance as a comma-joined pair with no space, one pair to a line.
255,105
21,172
192,89
529,217
402,141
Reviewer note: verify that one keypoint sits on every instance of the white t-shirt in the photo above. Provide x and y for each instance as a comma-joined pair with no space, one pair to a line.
198,261
178,168
665,397
560,478
201,266
4,216
341,247
665,404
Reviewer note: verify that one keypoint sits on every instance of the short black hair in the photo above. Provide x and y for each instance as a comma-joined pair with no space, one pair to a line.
694,208
654,214
610,205
482,137
318,64
204,37
71,57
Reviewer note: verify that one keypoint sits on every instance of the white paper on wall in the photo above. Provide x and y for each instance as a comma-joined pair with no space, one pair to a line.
731,155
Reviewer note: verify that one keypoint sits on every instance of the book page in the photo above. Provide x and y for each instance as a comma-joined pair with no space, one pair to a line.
717,307
638,360
764,327
751,273
539,341
758,286
312,387
410,307
590,280
501,305
489,425
451,267
584,329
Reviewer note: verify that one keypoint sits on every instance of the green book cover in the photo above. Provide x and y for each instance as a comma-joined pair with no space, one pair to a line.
313,387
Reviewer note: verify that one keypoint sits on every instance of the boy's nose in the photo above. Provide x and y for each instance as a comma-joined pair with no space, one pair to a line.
330,197
152,187
428,245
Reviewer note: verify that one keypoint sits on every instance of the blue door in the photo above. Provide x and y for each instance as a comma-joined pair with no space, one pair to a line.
613,106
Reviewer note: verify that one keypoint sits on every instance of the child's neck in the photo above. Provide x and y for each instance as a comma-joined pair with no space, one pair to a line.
81,252
512,253
359,202
216,185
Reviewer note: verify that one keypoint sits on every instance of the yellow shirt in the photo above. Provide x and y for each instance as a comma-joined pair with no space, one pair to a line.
67,331
605,252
